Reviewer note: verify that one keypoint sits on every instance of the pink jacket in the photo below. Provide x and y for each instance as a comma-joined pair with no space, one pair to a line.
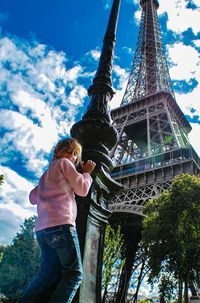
54,195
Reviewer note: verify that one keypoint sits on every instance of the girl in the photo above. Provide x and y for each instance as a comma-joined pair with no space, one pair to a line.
55,224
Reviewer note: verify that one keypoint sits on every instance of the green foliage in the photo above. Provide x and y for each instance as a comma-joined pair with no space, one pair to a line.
171,231
166,288
2,251
112,259
19,261
1,179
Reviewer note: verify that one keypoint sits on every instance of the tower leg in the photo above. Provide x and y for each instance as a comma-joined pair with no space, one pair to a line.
132,236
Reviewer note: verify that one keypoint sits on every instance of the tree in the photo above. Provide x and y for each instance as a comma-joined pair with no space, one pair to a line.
19,261
1,179
2,251
112,259
166,288
171,232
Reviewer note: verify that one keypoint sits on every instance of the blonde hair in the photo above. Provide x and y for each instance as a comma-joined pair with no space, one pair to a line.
68,145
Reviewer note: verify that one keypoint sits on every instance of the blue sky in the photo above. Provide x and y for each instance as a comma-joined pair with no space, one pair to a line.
49,52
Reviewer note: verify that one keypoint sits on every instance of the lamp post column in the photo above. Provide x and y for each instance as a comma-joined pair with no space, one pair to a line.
97,137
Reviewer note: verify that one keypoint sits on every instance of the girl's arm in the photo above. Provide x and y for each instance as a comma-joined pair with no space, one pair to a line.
33,195
80,183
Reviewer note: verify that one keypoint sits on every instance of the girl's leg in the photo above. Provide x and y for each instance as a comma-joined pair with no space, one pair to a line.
49,272
66,245
46,295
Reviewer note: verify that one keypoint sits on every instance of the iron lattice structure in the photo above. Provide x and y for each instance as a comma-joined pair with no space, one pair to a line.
149,73
153,145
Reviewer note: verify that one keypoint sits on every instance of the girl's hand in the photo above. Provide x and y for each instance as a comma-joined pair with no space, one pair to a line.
87,167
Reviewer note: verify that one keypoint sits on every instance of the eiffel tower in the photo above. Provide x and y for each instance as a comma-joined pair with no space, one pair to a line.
153,145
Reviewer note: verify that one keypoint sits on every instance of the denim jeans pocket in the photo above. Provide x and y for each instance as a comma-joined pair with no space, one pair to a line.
59,237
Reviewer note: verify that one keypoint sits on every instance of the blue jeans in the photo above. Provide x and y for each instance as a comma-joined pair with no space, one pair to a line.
60,261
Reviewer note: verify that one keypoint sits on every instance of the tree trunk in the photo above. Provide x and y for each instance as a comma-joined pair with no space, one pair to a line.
117,285
180,291
186,299
139,282
104,296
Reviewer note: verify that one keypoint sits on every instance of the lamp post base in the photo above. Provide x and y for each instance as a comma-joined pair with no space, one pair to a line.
90,290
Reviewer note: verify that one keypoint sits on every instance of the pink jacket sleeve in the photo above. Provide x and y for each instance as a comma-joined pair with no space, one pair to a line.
80,183
33,195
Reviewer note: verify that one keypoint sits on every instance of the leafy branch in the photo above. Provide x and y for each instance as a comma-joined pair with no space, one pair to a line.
1,179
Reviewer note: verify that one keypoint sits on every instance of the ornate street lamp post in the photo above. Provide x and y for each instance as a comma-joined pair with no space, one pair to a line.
97,136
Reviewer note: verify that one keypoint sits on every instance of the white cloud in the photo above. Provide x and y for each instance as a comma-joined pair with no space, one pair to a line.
189,103
44,80
52,65
14,185
196,2
186,66
94,53
128,50
10,53
14,203
197,43
136,2
27,138
72,74
117,98
121,73
122,76
184,69
180,18
36,110
194,137
137,16
28,102
77,94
